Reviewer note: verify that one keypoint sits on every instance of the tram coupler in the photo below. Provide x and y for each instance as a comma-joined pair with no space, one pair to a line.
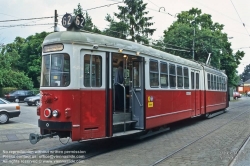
34,138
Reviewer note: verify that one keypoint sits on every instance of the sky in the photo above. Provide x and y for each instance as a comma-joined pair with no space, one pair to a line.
233,14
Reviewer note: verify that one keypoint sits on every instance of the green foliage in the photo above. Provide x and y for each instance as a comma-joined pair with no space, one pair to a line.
194,35
9,78
246,73
22,56
116,29
6,90
133,24
88,26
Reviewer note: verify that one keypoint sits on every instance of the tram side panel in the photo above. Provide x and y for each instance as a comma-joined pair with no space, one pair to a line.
93,114
215,100
166,106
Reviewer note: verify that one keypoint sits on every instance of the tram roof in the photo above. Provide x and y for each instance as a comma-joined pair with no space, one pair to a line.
111,42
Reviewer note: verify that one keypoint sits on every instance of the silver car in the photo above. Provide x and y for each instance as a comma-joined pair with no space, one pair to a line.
8,110
33,100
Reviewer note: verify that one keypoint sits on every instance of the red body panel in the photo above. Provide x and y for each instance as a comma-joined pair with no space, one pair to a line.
87,111
93,114
172,106
60,101
215,100
168,106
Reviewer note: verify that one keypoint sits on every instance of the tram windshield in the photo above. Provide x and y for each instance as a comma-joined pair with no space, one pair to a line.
55,70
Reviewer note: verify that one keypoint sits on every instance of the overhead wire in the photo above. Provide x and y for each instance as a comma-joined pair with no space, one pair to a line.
27,19
240,18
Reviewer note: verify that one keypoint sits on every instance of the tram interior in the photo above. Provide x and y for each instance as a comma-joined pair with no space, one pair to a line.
127,75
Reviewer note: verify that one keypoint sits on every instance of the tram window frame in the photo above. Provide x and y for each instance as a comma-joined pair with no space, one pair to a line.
197,78
172,75
95,78
192,79
219,83
55,70
208,81
154,73
186,77
179,77
215,85
164,74
212,82
218,86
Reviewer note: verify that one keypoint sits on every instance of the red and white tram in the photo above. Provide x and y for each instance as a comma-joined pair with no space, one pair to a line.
78,94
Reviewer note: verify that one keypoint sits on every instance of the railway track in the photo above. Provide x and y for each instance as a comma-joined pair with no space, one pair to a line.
205,135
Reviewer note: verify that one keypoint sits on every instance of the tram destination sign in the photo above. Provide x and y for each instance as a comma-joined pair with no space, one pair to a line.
73,22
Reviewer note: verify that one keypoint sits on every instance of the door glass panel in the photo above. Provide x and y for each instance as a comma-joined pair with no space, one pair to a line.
92,70
136,78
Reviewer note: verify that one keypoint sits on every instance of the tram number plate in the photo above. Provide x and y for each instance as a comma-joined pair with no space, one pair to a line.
150,104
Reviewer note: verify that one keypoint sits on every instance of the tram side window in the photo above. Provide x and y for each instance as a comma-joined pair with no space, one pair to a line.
192,80
197,81
154,73
186,78
172,76
212,81
219,83
164,75
179,77
92,71
215,82
224,83
46,70
208,81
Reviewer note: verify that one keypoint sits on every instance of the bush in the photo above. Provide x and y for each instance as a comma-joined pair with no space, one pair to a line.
6,90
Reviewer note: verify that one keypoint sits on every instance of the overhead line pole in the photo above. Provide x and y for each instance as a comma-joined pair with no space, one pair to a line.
56,21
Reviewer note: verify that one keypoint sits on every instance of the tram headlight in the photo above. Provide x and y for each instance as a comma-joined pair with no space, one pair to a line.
55,113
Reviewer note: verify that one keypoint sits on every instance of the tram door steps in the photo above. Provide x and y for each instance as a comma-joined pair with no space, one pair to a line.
122,122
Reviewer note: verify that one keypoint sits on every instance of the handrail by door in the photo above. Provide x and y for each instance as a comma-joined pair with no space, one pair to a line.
124,100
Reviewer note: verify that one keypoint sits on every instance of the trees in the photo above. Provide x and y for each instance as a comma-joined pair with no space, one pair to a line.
196,35
21,62
89,26
133,24
246,73
10,76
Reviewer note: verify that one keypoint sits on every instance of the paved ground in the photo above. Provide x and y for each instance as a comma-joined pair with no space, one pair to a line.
217,148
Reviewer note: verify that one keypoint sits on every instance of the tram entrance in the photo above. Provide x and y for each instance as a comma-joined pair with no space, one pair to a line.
195,77
128,93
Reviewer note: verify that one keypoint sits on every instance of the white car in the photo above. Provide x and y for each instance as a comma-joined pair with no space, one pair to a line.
8,110
248,94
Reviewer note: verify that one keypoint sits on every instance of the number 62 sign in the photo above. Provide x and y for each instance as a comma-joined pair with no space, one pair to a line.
69,20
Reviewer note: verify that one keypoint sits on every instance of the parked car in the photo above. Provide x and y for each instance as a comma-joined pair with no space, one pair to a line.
18,95
8,110
236,95
33,100
248,94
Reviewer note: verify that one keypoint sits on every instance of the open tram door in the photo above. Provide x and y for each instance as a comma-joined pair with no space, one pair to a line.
137,92
130,117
